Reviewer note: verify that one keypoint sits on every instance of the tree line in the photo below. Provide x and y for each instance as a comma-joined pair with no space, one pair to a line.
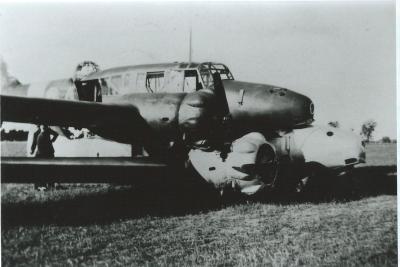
367,130
14,135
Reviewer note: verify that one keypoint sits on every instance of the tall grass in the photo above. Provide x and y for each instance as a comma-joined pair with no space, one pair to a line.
354,233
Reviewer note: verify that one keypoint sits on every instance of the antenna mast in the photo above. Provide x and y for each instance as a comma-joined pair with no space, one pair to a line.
190,45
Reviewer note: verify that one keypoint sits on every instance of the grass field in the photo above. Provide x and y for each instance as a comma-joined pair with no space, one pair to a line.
105,225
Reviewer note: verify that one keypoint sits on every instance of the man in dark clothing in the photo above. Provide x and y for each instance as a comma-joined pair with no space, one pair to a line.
43,144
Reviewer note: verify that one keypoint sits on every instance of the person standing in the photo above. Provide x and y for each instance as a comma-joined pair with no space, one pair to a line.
42,144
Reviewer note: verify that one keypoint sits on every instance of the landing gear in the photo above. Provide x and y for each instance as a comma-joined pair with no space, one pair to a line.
316,183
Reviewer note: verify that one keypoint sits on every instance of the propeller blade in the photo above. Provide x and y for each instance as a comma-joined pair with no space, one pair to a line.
222,101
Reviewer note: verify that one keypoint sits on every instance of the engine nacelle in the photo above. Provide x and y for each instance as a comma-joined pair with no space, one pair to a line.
249,166
197,113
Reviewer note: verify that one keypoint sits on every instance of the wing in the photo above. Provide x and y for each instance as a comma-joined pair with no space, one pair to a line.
117,121
121,119
58,112
82,170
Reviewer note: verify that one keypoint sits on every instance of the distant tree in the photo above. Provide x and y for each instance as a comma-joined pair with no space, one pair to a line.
3,134
386,139
334,124
14,135
367,129
21,136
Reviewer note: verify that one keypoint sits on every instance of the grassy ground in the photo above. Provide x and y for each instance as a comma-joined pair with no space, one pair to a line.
109,225
359,232
381,154
13,149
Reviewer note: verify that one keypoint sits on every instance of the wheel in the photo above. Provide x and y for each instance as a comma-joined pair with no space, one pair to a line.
315,183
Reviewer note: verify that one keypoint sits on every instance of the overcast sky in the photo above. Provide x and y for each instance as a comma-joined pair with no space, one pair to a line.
341,55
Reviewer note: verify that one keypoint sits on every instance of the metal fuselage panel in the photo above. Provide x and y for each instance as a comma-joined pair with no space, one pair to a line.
262,107
160,114
253,107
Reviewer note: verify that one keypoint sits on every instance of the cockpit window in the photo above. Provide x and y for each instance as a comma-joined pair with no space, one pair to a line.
207,69
181,81
89,90
191,82
155,81
115,85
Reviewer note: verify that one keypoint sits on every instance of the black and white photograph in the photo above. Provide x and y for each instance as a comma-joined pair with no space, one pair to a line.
198,133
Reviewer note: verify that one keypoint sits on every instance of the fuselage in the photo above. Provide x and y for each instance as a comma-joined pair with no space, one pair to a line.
175,97
178,100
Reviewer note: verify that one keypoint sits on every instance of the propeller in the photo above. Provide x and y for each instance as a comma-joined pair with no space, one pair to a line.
222,101
204,116
265,166
224,116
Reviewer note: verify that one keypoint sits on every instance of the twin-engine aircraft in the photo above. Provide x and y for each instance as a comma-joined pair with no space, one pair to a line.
247,137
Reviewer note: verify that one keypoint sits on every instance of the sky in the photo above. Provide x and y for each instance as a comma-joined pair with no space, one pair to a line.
340,54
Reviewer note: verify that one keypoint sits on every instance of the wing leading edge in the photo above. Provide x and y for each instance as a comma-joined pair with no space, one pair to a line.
82,170
120,122
56,112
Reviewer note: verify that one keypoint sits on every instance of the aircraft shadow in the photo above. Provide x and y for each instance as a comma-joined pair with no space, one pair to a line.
367,181
162,200
177,199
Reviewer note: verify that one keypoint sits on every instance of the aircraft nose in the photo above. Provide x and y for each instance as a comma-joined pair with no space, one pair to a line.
308,109
303,109
268,107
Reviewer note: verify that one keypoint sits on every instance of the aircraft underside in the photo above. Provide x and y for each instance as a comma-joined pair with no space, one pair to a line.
250,164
